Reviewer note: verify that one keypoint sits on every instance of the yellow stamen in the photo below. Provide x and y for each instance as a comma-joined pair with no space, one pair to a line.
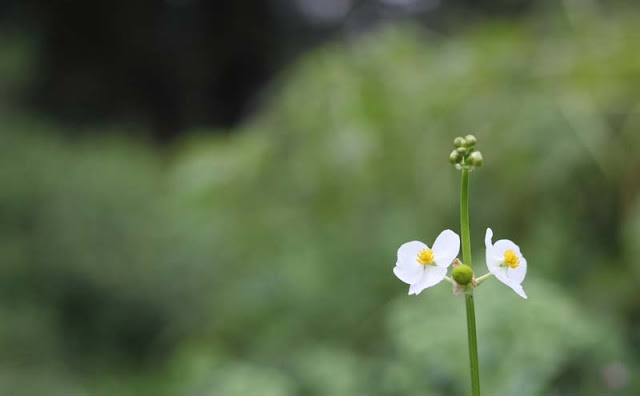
510,259
425,256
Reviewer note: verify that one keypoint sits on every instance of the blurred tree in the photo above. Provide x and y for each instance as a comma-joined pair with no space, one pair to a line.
177,64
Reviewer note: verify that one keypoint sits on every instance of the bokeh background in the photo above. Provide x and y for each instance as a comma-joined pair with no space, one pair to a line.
206,197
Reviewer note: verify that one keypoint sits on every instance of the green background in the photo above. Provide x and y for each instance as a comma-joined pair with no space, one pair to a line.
260,262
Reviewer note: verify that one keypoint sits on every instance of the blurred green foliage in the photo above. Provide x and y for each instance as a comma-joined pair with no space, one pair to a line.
260,262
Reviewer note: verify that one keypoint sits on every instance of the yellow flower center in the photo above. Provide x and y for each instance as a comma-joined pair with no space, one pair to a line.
425,256
510,259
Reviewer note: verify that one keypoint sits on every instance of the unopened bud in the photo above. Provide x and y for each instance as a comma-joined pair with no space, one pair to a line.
462,274
463,151
475,158
458,142
470,140
455,157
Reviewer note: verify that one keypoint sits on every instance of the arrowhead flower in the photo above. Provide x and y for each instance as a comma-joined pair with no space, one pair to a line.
422,267
506,263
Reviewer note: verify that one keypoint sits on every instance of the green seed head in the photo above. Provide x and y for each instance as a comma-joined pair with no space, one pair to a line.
470,141
475,158
462,274
458,142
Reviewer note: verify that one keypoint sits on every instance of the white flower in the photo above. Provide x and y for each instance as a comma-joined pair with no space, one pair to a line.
506,263
422,267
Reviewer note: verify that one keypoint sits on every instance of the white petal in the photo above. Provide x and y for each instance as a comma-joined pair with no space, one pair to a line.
407,267
487,238
408,252
409,273
493,263
503,245
446,248
518,289
517,274
501,274
432,276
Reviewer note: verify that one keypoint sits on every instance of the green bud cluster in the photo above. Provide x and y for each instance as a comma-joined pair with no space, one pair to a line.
465,154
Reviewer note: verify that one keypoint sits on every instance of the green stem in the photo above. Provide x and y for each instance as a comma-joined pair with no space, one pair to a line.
464,218
483,277
466,258
473,345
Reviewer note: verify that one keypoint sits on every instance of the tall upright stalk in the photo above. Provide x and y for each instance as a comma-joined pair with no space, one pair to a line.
466,258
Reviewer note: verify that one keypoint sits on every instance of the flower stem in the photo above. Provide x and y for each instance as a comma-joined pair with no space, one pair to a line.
464,218
466,258
483,277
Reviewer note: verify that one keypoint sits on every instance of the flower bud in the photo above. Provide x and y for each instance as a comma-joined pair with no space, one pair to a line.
462,151
475,158
458,142
455,157
470,141
462,274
